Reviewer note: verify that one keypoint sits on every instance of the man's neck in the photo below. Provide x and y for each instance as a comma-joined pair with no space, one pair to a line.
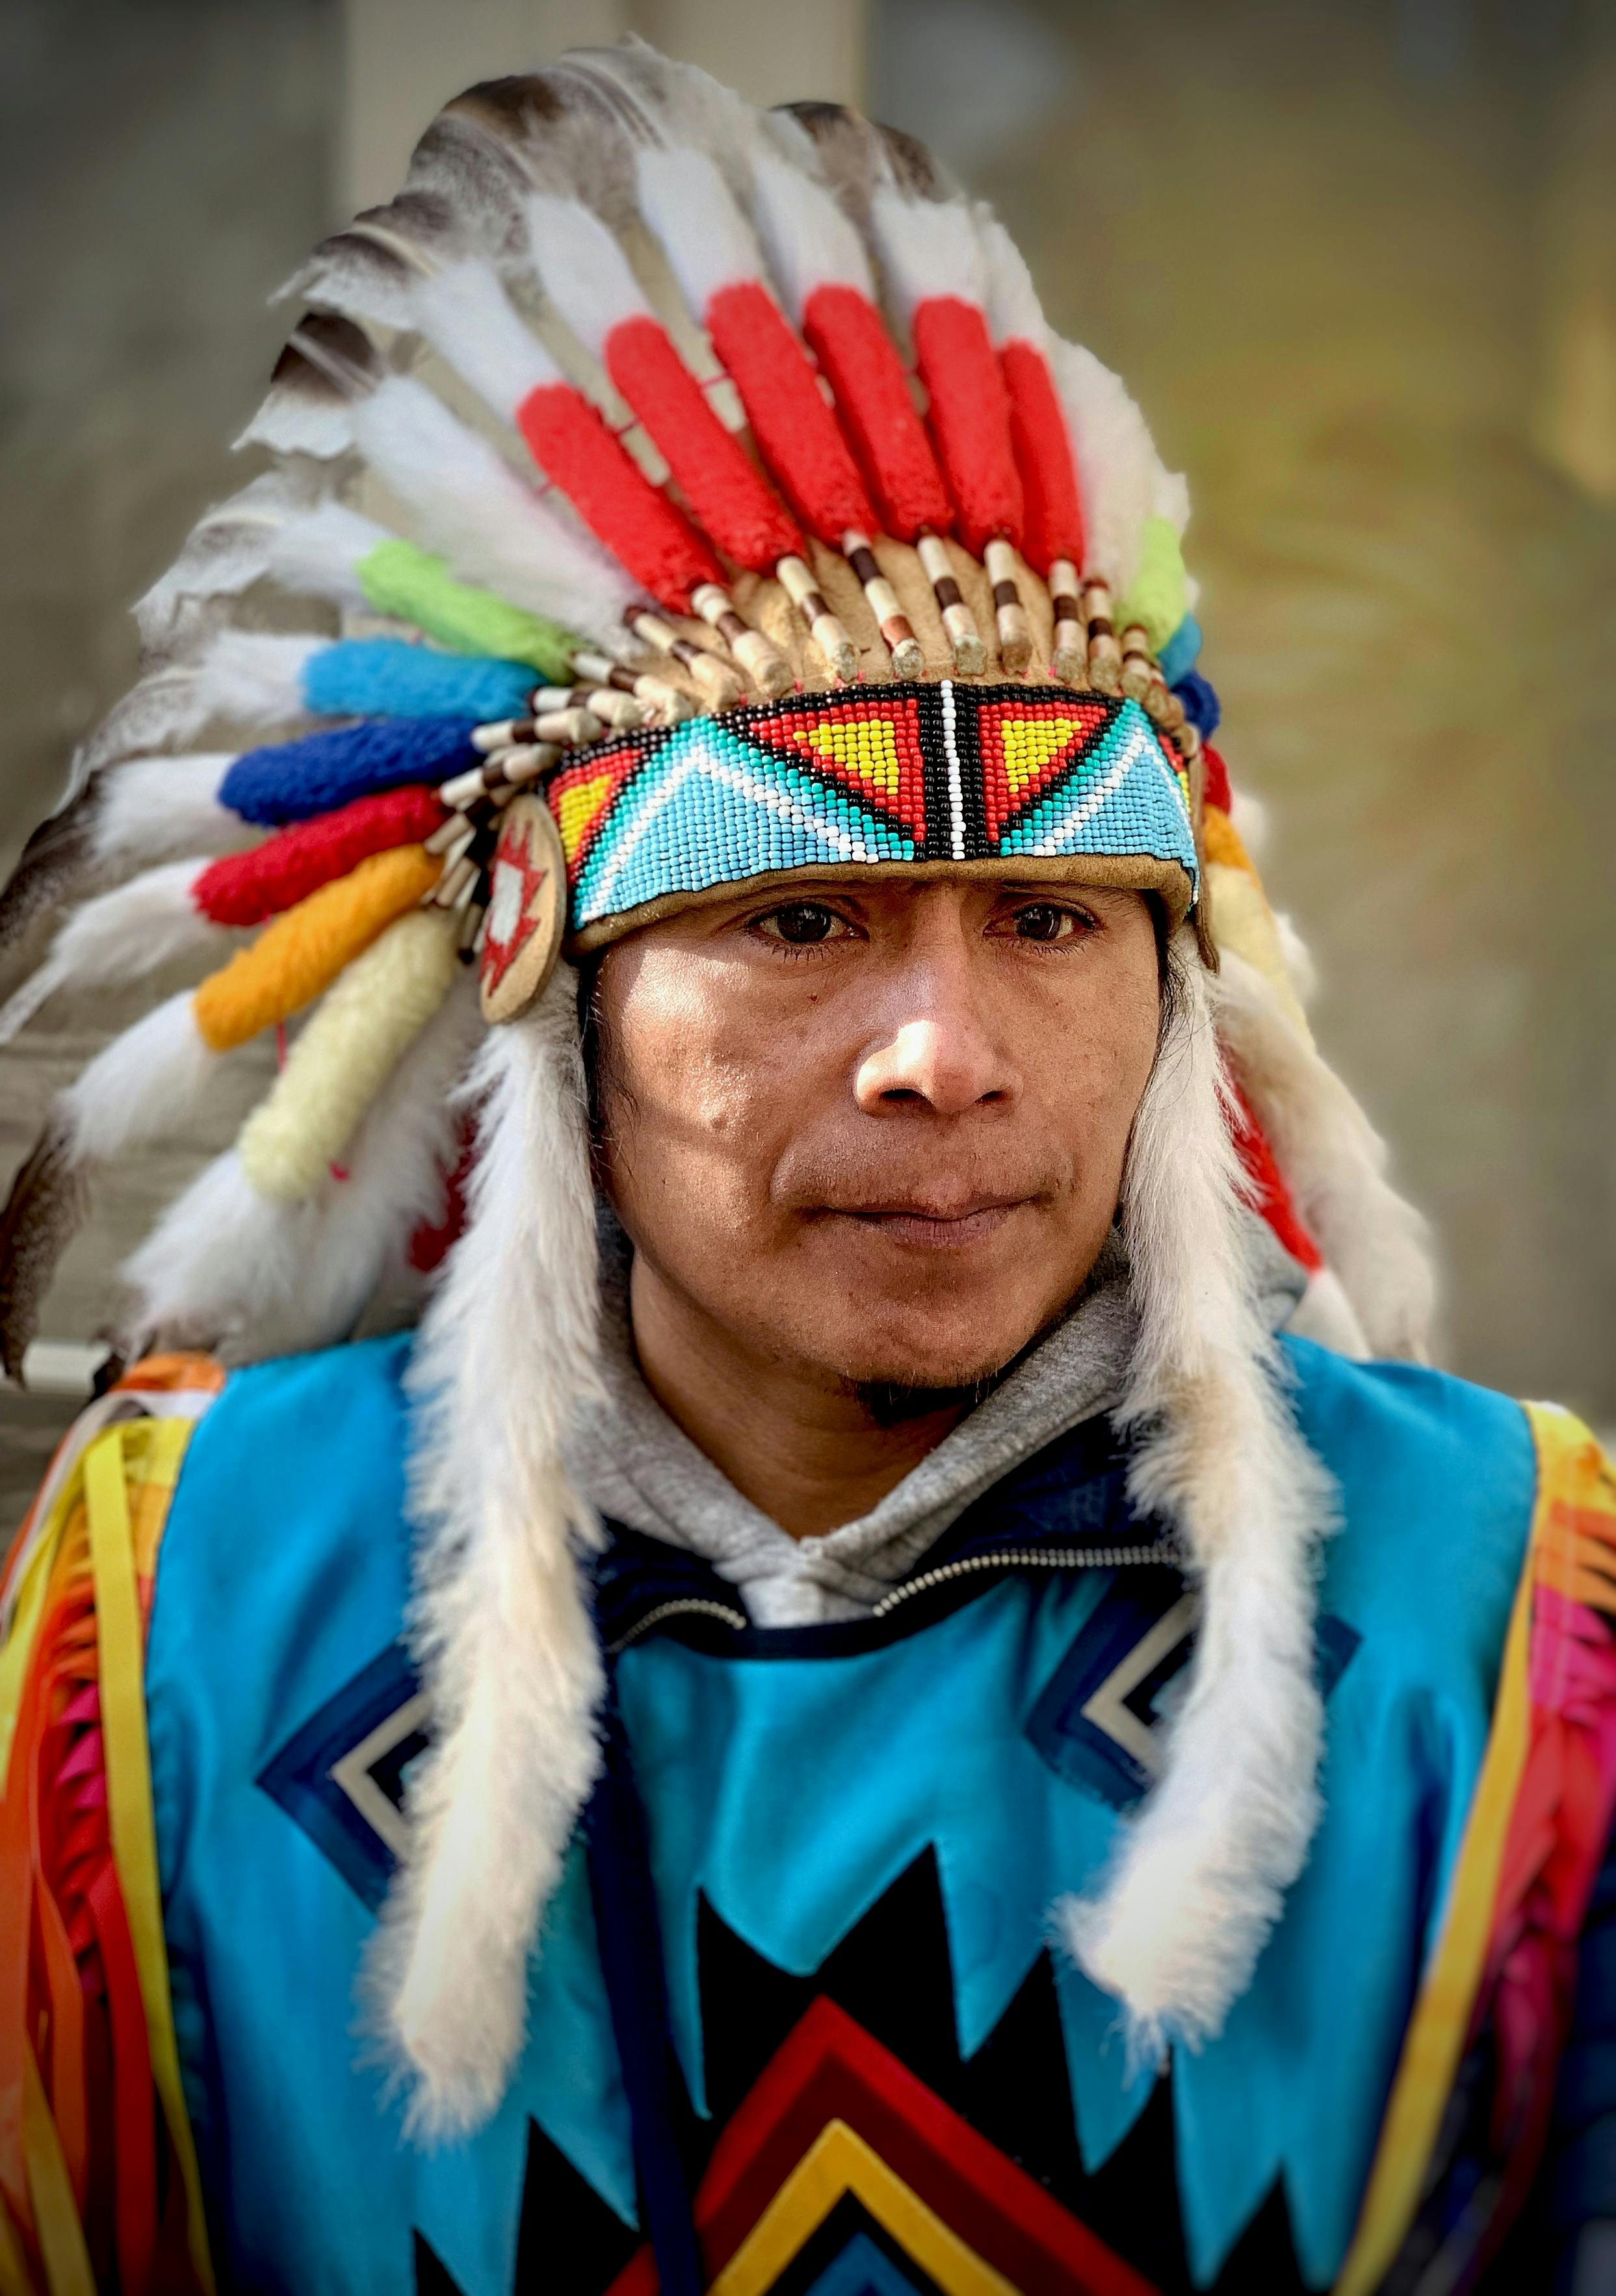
808,1451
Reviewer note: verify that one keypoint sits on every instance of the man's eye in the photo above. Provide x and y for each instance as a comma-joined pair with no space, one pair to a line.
801,924
1043,921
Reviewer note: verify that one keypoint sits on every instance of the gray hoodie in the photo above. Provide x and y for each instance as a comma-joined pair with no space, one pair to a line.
635,1464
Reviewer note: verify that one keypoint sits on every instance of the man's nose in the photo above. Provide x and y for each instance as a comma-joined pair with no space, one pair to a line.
938,1049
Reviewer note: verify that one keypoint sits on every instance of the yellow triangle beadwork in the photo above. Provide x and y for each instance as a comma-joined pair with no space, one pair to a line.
578,809
865,747
1030,743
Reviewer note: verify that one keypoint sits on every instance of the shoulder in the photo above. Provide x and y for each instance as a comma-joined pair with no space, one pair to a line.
1437,1485
287,1535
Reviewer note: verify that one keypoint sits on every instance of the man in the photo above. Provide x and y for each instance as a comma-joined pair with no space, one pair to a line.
898,1735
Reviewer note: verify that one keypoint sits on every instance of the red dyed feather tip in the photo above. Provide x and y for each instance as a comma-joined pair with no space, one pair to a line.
1053,505
795,430
572,445
970,419
723,488
848,337
246,888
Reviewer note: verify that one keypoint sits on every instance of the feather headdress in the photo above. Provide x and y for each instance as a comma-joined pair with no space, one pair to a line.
679,496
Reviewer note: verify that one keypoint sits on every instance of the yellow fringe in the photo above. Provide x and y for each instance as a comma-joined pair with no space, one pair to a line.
297,956
146,1455
1435,2041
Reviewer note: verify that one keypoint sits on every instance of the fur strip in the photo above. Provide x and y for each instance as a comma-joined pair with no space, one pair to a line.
1198,1880
1334,1164
501,1624
228,1269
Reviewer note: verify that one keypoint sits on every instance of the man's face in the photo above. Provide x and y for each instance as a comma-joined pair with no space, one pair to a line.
876,1133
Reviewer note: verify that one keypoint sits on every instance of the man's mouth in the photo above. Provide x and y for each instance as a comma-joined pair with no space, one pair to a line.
934,1226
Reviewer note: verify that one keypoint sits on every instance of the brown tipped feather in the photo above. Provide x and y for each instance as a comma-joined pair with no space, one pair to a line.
327,364
42,1215
55,861
856,154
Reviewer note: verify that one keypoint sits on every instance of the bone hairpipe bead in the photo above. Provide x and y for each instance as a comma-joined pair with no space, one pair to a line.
567,728
721,687
959,622
1136,662
500,773
470,928
1104,654
1069,647
827,630
457,875
894,623
666,702
1009,615
449,833
756,653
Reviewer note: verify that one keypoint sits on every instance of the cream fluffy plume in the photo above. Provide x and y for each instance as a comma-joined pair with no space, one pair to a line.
501,1624
1375,1242
1199,1877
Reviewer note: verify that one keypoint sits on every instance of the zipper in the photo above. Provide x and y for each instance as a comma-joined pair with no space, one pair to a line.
680,1605
1163,1552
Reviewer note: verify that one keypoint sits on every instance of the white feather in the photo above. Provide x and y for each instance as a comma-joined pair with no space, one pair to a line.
144,1083
1334,1163
226,551
469,319
1014,314
315,554
485,518
254,677
583,269
300,423
1117,464
927,248
122,935
1198,1880
151,805
698,223
228,1269
809,241
501,1626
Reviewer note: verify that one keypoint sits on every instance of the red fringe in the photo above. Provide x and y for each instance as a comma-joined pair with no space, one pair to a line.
1270,1194
638,524
1214,787
1043,456
797,432
970,415
720,483
244,888
849,339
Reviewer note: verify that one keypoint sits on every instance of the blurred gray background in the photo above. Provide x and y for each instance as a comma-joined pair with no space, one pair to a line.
1357,258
